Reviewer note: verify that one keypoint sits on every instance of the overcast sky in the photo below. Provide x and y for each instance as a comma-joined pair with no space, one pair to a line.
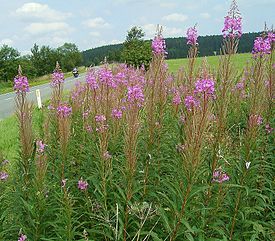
92,23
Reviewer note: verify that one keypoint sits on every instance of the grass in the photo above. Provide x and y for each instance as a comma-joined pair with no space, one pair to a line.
8,87
239,60
9,137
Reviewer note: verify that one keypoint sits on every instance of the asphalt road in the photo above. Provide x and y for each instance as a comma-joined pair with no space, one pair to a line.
7,101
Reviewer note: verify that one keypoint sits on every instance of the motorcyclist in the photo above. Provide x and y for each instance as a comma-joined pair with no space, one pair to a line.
75,72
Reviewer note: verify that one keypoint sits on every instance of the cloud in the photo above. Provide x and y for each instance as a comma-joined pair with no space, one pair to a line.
167,5
205,15
58,28
96,23
6,41
175,17
150,31
95,34
40,11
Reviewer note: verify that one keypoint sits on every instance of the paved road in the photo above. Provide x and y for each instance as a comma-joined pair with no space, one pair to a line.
7,104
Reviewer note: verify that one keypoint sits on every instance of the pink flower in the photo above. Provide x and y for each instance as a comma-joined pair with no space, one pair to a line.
206,86
91,80
117,113
255,120
3,176
190,102
192,36
57,78
22,237
135,95
158,45
232,27
262,46
106,77
176,99
64,110
82,185
220,176
100,118
21,84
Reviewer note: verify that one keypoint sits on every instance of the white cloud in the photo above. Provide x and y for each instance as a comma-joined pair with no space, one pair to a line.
40,11
167,5
96,23
59,28
6,41
205,15
95,34
172,32
150,31
175,17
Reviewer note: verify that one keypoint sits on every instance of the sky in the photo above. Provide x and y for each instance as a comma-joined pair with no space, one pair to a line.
93,23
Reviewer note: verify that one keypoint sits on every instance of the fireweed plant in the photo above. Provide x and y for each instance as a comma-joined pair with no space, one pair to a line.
135,154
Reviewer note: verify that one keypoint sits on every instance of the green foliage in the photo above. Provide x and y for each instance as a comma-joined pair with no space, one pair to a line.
69,55
136,52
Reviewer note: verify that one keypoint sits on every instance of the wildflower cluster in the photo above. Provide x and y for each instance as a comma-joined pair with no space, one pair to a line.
57,78
262,45
205,86
220,176
64,110
158,45
21,84
192,36
232,27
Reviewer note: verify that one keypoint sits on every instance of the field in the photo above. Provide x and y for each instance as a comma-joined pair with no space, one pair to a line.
240,60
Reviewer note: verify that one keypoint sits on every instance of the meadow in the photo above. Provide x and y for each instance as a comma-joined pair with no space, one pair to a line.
164,153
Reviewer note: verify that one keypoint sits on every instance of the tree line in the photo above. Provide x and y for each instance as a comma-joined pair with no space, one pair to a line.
176,48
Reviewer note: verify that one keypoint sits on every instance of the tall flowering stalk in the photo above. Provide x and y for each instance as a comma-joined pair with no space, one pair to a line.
257,102
232,31
24,117
156,93
198,113
192,40
64,112
135,99
57,86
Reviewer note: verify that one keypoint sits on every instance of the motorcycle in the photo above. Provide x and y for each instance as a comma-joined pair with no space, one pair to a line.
75,72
